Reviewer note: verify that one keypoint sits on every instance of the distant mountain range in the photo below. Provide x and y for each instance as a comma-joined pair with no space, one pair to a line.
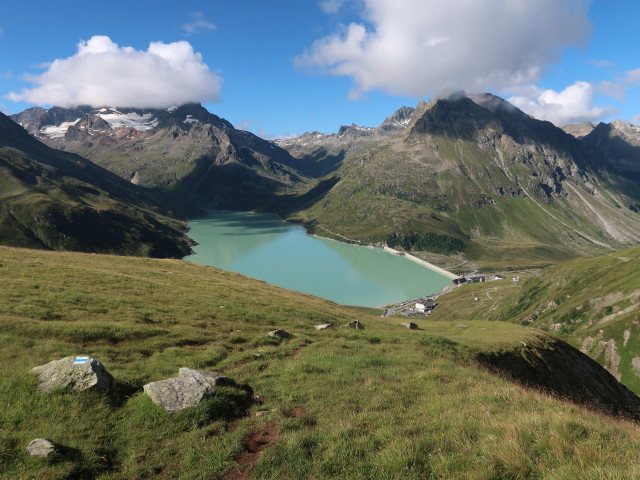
468,174
186,152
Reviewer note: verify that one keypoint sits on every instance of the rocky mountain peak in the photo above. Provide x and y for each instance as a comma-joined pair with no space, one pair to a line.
627,129
492,102
354,131
579,130
86,127
456,114
398,121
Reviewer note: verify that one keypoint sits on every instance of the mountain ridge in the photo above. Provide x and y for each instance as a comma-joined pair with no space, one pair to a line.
57,200
471,168
190,154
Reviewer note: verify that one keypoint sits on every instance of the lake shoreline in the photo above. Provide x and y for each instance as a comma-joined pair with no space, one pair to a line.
266,247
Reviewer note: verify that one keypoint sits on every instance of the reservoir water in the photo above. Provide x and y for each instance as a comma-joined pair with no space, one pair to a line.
263,246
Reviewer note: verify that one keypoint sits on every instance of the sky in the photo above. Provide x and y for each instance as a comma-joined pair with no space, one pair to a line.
284,67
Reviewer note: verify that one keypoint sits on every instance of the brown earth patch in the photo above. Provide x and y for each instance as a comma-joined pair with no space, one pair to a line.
297,351
253,445
296,412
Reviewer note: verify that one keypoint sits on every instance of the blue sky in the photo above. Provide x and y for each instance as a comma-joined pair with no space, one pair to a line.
286,67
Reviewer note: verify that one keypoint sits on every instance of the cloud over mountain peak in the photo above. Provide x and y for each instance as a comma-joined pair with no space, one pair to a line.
104,73
421,47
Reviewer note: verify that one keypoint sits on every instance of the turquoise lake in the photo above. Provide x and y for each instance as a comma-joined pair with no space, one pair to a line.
263,246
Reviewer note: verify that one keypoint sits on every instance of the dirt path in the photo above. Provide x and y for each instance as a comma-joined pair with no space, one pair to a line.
253,446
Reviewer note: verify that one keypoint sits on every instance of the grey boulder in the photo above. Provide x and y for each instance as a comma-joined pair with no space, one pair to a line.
78,372
41,447
186,390
323,326
279,334
410,325
355,325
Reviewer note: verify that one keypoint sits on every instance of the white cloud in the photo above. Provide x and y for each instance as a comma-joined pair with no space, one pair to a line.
4,109
198,24
602,63
611,89
574,104
246,124
633,77
332,6
256,128
422,47
635,120
103,73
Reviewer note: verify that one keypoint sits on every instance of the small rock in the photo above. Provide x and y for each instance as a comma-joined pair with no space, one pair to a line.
186,390
80,373
41,447
261,413
279,334
324,326
410,325
356,325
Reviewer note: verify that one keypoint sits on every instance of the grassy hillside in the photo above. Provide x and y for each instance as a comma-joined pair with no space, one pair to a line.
591,303
381,403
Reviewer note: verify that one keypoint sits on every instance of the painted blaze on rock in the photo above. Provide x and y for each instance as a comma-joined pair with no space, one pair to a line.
186,390
78,372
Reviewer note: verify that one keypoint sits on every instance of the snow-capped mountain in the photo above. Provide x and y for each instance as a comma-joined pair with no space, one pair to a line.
57,122
184,149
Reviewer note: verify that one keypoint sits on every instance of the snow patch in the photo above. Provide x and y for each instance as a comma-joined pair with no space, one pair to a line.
190,120
57,131
118,119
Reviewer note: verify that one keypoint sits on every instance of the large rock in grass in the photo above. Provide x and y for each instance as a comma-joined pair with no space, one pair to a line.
324,326
186,390
279,334
356,325
79,373
41,447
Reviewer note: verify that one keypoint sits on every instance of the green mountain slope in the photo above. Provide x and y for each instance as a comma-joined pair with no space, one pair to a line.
55,200
380,403
592,303
476,176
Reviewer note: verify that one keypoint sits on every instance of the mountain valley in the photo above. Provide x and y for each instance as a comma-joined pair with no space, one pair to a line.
465,176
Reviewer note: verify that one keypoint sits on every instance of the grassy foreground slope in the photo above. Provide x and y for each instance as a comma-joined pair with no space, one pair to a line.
382,403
